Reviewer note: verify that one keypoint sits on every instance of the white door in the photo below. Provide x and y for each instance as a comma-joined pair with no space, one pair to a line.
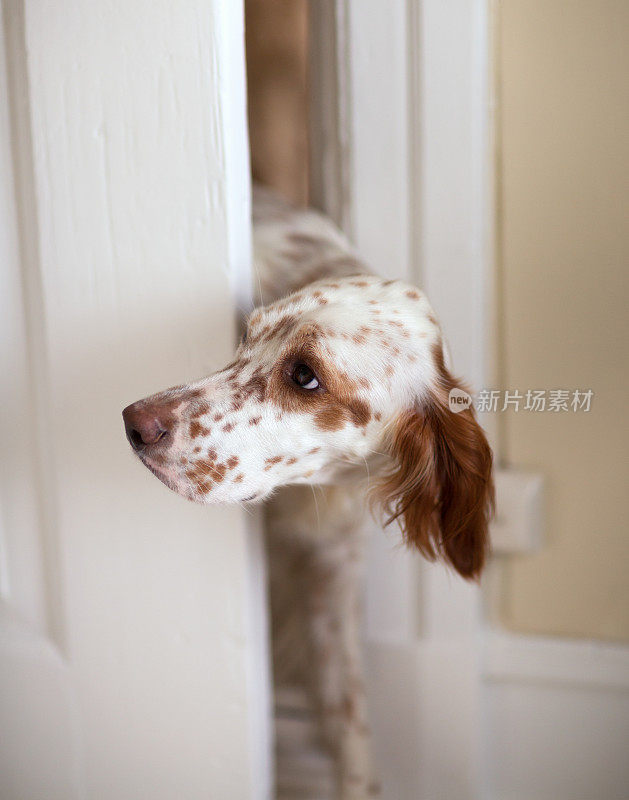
403,102
132,662
403,153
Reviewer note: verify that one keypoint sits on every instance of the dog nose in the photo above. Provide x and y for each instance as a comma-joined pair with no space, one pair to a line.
144,427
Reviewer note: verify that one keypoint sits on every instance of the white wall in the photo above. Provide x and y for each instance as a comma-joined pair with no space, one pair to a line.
556,719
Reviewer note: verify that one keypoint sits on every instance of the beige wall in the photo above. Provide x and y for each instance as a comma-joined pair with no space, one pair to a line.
563,234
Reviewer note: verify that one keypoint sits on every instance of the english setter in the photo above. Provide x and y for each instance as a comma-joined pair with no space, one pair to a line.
340,383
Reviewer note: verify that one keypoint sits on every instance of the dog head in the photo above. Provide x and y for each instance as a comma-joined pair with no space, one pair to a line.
342,373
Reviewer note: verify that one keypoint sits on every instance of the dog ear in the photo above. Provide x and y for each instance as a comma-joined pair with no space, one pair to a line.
440,486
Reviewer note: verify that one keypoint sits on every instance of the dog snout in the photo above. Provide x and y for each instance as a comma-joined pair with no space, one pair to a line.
146,427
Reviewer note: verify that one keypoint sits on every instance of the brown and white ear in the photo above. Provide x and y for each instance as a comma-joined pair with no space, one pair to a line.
440,487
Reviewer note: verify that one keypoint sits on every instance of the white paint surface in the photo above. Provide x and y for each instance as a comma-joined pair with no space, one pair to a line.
415,191
376,55
557,719
554,721
455,175
140,214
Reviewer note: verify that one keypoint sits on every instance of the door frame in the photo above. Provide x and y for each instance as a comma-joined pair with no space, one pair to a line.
401,158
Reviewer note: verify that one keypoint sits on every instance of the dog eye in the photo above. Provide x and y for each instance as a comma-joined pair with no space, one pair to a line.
303,376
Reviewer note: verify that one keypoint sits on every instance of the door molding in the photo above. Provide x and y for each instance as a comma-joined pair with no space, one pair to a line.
403,163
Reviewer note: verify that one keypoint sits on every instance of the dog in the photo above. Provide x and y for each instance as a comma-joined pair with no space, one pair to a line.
337,399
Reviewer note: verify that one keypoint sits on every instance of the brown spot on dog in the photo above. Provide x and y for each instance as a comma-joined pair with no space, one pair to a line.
283,325
330,419
389,370
291,461
413,294
207,469
232,462
313,451
219,472
360,411
255,386
200,410
273,460
218,417
196,429
377,416
228,427
239,478
255,420
257,336
194,474
364,383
